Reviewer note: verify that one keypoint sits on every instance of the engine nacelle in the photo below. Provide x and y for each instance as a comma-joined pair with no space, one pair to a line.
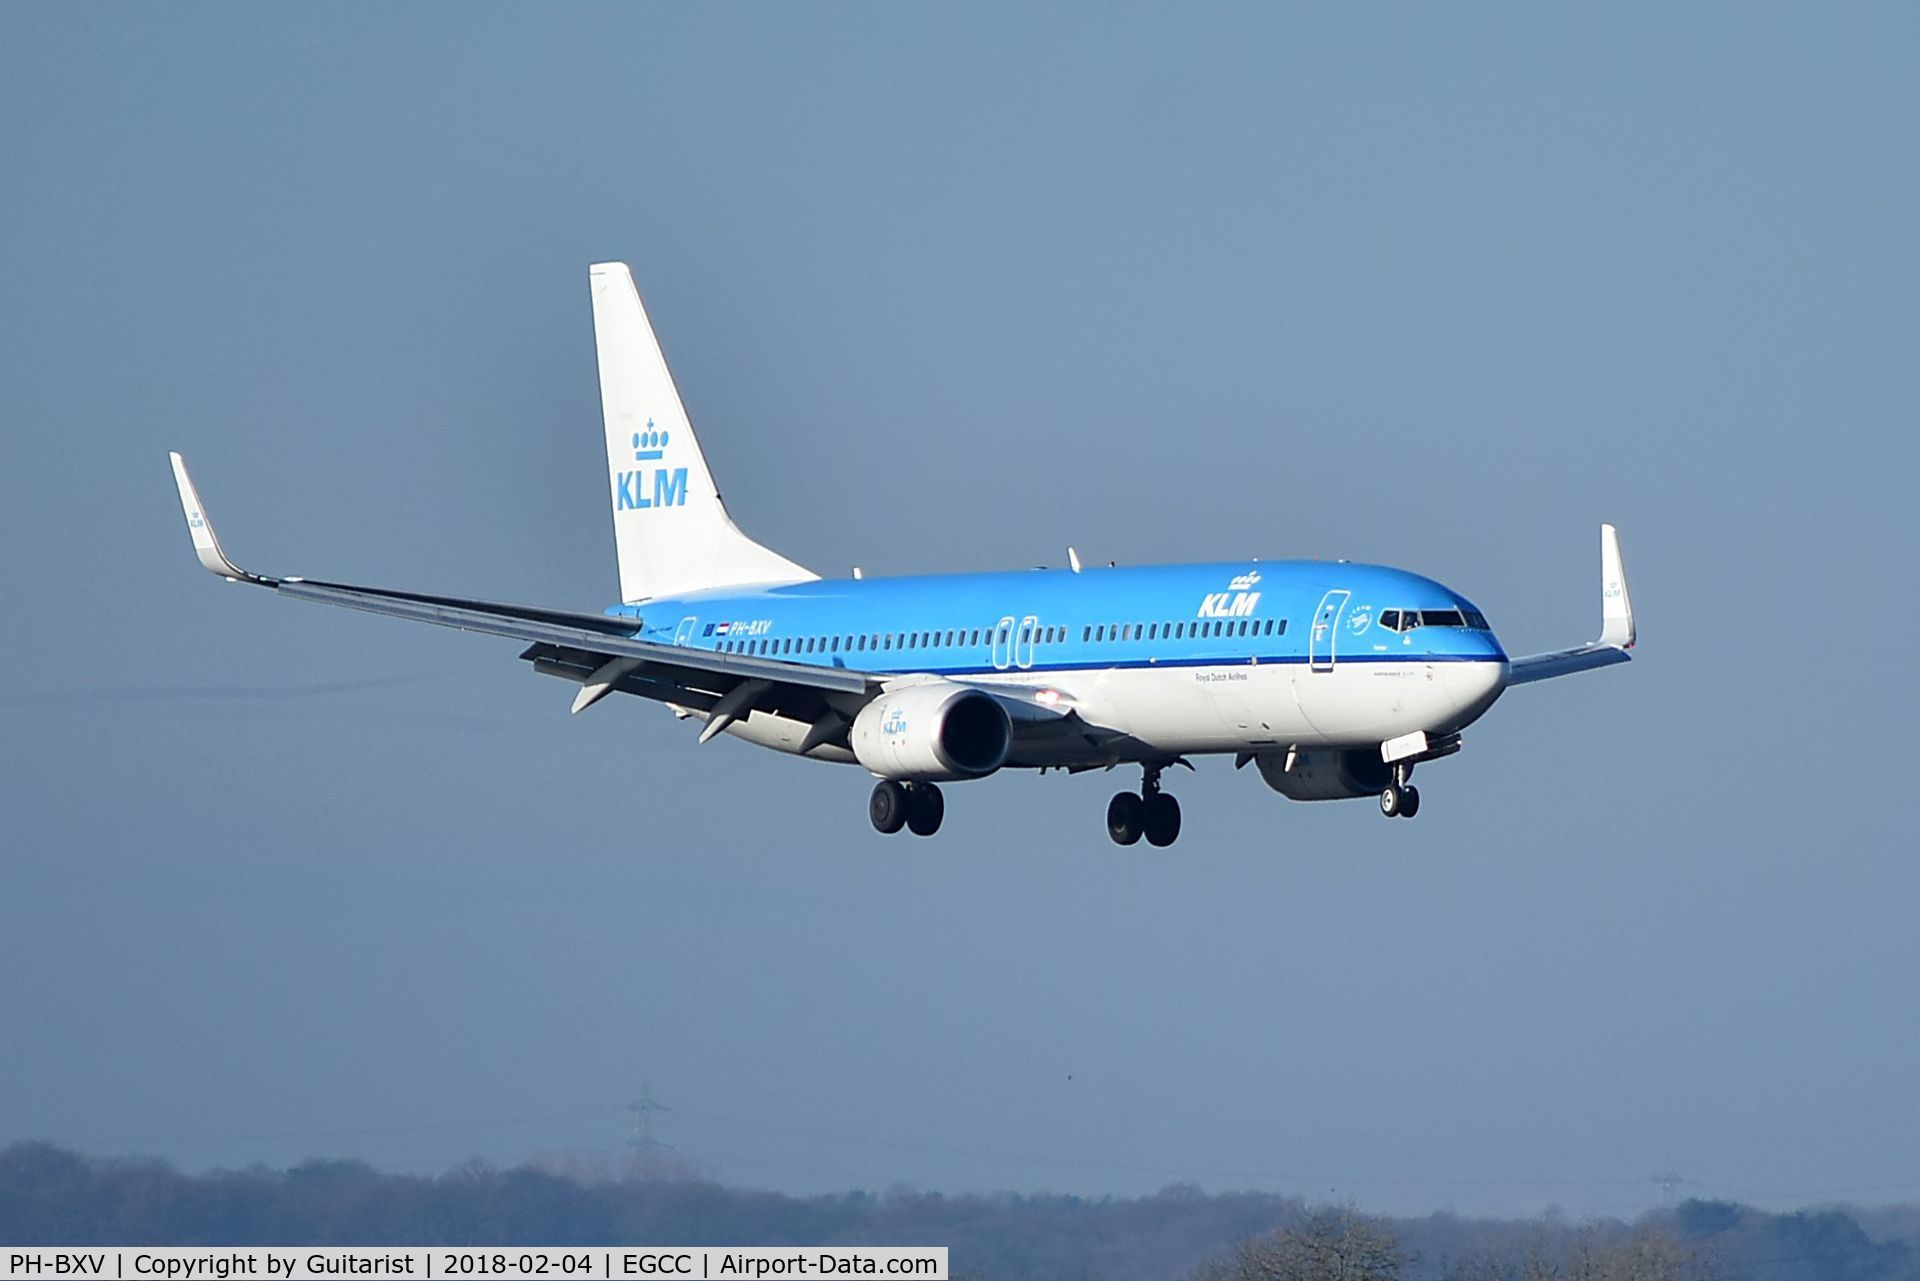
932,733
1326,775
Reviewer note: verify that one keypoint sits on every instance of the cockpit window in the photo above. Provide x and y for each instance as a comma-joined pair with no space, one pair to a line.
1405,620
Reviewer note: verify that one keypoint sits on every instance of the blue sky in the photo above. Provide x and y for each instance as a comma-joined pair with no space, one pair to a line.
950,289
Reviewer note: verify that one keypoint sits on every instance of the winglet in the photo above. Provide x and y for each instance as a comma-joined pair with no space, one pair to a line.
1616,605
206,545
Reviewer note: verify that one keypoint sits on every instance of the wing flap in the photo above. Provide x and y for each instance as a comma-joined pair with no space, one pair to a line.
596,633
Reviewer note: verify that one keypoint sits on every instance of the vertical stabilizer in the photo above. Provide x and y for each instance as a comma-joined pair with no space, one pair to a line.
670,529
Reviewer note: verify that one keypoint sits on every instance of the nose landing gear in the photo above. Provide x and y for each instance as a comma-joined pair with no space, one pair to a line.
1152,814
1401,799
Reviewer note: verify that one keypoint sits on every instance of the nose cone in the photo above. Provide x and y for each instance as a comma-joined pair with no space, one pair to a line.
1474,687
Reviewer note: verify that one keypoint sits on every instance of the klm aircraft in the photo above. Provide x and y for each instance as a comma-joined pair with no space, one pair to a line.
1334,680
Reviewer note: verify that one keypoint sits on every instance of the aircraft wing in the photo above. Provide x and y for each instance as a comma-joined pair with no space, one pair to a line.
598,650
1617,632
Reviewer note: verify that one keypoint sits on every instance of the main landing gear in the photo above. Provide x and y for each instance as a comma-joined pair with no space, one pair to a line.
918,807
1152,814
1401,799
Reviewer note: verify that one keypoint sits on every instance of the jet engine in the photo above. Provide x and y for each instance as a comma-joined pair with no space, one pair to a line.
934,732
1326,775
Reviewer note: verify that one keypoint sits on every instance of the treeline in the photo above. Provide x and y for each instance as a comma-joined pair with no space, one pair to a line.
50,1196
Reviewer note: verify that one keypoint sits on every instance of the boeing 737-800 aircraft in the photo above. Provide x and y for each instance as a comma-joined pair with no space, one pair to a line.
1334,679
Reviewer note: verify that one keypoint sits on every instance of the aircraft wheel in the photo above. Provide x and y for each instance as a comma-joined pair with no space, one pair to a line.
1124,818
1162,819
1391,800
887,807
925,808
1409,801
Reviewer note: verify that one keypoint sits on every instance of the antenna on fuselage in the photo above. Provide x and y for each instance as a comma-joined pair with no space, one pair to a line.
1073,559
856,571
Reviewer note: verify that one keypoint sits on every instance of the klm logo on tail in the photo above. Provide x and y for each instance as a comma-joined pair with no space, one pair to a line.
631,490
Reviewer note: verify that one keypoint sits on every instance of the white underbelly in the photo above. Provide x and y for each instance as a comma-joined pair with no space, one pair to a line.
1233,707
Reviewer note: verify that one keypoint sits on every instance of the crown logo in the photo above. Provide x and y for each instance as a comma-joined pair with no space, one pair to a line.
648,444
1243,582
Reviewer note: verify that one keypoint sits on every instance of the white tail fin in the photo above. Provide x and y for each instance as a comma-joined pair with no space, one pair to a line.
670,529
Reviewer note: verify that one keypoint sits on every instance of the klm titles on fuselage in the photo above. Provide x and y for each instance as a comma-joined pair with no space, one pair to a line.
1229,604
1238,601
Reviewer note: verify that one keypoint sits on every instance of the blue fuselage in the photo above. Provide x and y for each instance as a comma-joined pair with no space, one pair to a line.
1252,612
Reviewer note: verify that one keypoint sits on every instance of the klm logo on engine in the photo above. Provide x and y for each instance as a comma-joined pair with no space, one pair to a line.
648,487
895,723
1238,601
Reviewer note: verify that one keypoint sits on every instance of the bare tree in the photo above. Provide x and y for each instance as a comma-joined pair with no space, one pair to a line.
1647,1255
1331,1245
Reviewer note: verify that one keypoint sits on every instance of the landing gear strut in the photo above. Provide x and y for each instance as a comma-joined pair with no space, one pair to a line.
1401,799
1152,814
918,807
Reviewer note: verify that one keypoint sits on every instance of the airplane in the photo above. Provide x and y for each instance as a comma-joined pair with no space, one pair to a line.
1333,679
